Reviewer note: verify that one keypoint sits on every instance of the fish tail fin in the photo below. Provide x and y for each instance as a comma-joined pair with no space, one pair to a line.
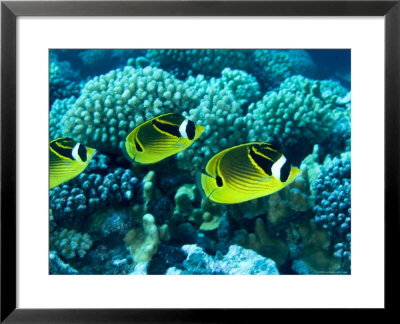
91,152
199,130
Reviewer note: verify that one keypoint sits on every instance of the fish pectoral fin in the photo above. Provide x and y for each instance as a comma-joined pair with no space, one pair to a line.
199,186
180,143
198,183
265,179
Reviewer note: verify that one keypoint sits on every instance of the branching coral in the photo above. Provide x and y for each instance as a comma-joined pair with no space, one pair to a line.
315,252
70,243
298,116
185,197
199,61
57,111
143,242
204,213
333,205
76,199
62,80
244,86
271,67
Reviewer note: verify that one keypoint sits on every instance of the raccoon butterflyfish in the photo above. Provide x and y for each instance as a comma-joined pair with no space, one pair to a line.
161,137
246,172
67,159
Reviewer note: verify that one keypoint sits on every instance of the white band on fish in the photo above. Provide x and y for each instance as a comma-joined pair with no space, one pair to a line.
182,128
276,167
75,150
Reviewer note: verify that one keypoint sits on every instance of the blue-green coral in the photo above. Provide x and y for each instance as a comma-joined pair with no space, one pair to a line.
208,62
271,67
58,109
333,205
297,116
70,244
63,80
72,202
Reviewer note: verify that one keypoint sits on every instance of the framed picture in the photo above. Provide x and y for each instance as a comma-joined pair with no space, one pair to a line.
193,139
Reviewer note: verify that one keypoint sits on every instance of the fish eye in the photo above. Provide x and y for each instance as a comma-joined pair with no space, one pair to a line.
218,179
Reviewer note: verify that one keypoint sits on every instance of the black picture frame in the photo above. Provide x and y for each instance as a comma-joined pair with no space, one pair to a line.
10,10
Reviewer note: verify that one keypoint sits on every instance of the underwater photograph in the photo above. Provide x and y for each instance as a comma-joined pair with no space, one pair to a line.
200,161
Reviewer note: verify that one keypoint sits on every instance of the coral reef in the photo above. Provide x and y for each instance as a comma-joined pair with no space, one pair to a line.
58,266
70,243
73,201
315,250
262,242
57,111
143,242
119,217
203,213
106,259
167,256
62,79
199,61
333,205
271,67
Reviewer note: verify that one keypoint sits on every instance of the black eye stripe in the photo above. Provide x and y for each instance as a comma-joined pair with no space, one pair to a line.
82,152
285,171
190,130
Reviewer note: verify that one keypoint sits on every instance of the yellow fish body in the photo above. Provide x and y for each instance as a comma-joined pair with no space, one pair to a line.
67,159
246,172
161,137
